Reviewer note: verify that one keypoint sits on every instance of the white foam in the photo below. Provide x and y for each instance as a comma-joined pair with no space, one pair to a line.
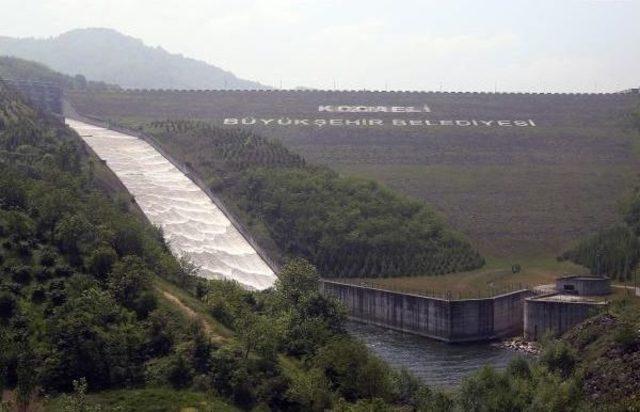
192,224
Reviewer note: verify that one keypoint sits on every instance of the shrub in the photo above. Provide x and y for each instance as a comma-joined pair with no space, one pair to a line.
559,357
8,306
48,257
22,275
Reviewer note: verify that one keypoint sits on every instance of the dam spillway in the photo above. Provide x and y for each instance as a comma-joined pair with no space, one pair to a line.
193,226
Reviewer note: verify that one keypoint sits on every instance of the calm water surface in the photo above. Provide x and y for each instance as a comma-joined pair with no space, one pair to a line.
435,363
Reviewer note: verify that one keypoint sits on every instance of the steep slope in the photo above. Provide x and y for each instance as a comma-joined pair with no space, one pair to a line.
109,56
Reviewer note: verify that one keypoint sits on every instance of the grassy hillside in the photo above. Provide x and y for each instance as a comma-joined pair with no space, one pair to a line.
516,192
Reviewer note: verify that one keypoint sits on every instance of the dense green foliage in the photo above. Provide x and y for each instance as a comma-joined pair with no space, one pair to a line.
292,352
75,301
613,252
346,227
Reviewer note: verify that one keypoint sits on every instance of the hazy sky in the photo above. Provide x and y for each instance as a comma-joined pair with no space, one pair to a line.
555,45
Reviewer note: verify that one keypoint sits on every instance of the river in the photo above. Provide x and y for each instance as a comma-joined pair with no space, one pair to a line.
435,363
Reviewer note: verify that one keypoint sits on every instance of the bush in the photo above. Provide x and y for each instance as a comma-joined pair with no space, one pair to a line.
8,306
101,261
22,275
179,373
352,370
48,257
626,335
559,357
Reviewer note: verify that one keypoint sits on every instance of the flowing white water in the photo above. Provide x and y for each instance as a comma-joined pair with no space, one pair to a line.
192,224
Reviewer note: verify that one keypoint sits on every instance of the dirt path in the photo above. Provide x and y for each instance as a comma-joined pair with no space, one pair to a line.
191,314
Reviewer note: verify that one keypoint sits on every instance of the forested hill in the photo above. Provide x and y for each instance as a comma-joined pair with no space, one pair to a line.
109,56
13,68
347,227
76,268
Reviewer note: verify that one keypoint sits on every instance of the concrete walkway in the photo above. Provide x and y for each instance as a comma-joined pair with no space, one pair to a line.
633,288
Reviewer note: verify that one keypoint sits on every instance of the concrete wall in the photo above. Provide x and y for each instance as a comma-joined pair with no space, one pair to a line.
542,315
447,320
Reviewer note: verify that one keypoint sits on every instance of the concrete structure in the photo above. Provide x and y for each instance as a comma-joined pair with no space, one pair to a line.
556,313
443,319
584,285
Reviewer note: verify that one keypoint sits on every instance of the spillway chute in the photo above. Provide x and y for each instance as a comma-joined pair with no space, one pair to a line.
192,224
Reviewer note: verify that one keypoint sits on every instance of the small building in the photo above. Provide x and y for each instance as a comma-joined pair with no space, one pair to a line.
584,285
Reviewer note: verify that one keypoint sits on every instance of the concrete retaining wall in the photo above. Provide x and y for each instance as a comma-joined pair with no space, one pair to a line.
447,320
542,315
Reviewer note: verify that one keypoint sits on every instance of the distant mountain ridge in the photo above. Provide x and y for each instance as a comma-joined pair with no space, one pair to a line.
109,56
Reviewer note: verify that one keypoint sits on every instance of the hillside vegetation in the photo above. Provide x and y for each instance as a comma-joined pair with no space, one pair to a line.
76,268
346,227
594,367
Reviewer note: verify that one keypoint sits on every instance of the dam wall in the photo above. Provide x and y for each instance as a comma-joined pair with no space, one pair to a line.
464,320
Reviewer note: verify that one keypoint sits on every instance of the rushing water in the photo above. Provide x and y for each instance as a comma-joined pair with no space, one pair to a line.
435,363
192,224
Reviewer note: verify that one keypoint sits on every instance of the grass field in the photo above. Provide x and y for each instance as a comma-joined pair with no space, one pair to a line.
495,278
